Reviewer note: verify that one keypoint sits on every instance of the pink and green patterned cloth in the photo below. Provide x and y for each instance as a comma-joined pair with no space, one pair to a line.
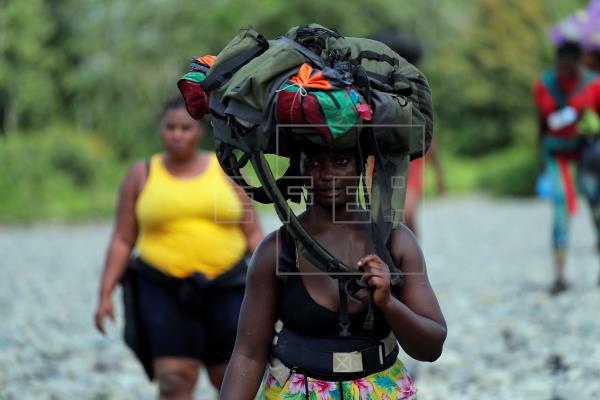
393,383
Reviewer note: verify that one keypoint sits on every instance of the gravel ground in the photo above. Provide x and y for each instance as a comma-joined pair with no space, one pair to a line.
489,262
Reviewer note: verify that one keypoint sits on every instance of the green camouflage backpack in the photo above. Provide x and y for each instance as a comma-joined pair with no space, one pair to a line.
390,117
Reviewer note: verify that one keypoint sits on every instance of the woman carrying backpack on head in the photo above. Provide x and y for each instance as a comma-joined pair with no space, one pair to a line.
584,27
304,308
191,228
325,304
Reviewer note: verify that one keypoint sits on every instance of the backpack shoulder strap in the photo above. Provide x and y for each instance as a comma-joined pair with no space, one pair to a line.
287,254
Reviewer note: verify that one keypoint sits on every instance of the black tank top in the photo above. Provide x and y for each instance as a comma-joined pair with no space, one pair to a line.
300,312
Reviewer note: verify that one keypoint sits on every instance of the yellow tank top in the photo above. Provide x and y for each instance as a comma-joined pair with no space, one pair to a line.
189,225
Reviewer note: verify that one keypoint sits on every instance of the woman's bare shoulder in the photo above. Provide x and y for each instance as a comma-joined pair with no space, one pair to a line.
138,168
136,176
405,248
264,259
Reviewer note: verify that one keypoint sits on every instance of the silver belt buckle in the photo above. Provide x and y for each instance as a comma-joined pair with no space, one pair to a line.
347,362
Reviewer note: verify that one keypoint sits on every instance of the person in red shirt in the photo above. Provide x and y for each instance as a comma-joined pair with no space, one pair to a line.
587,105
560,144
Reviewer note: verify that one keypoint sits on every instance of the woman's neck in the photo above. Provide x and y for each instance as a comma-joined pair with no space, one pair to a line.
181,163
186,167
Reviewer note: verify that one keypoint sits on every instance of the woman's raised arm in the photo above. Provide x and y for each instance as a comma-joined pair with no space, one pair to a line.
416,318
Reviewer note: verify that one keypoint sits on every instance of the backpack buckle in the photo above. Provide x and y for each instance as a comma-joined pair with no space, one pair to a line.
347,362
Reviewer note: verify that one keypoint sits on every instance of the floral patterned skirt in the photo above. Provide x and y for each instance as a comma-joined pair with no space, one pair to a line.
393,383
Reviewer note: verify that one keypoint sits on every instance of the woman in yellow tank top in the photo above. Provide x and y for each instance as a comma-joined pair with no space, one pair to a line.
191,228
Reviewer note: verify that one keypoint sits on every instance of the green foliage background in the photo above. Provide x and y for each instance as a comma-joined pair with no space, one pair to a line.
82,83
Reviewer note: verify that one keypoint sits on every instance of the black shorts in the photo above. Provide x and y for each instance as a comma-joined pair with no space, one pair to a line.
173,330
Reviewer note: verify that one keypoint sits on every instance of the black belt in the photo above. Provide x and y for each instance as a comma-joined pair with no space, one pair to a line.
152,274
334,358
234,277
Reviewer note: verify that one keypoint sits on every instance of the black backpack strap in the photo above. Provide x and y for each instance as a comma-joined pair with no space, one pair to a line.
423,92
222,72
380,229
361,78
307,53
344,317
232,165
389,81
315,38
369,322
407,90
287,254
371,55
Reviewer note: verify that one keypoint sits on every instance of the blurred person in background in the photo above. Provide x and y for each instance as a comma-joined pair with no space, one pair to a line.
560,144
191,228
410,48
589,160
587,105
583,27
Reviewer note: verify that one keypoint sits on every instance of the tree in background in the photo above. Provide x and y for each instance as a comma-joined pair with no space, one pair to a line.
29,65
485,77
104,67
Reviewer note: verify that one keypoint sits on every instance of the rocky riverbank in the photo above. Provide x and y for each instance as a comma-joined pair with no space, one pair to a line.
489,263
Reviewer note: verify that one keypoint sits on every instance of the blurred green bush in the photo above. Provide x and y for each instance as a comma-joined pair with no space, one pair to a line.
56,173
510,173
107,66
